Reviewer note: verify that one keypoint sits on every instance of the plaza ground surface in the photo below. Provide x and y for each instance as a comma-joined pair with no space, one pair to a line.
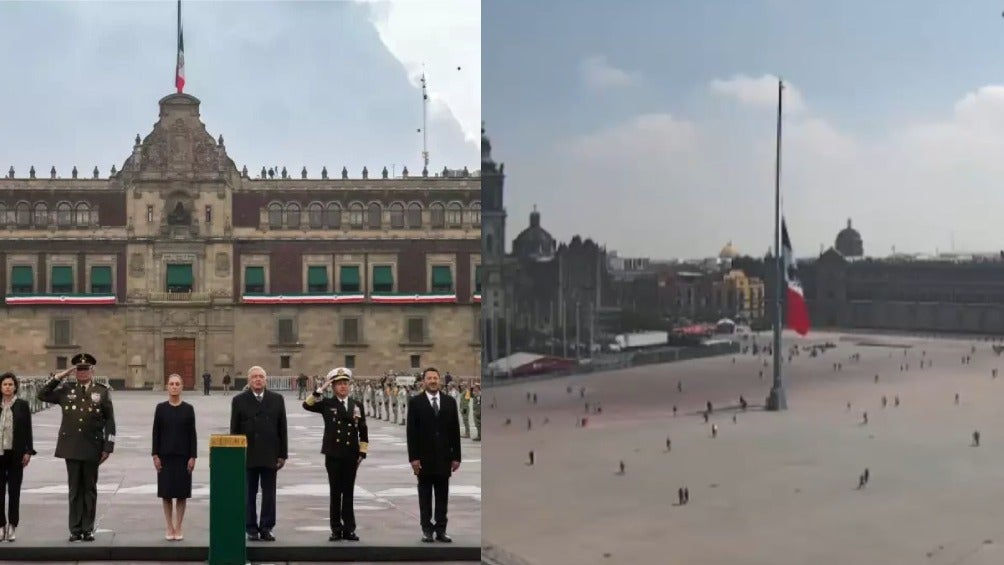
772,488
129,513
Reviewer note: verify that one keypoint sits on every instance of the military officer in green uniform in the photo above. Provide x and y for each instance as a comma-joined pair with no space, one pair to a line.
465,409
476,408
344,446
86,438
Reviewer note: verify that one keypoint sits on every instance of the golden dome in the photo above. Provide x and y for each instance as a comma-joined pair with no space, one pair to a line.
728,252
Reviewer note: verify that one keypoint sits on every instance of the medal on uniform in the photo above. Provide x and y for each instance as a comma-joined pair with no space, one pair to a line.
95,397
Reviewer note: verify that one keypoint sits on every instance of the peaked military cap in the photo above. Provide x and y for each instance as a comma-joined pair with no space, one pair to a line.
83,359
340,374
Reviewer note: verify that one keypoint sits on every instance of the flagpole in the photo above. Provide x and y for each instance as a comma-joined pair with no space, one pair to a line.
777,400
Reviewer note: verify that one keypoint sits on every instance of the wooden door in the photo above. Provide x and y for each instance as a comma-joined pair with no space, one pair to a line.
179,357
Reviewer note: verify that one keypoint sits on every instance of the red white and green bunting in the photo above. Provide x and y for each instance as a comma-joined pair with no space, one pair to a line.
304,299
59,300
413,299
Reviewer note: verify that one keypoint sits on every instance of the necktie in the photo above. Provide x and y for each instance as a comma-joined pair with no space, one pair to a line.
435,405
345,405
258,397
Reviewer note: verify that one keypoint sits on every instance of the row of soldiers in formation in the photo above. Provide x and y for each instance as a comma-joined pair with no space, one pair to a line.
387,400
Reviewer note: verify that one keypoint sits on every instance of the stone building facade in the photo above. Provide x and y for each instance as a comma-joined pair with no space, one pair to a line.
179,262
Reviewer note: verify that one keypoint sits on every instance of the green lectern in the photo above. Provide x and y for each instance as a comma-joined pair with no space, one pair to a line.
227,480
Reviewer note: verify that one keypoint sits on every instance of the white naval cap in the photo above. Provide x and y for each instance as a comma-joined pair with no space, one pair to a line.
340,374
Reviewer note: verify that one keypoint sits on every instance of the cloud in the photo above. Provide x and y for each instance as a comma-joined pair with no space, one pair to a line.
441,38
597,72
664,185
759,92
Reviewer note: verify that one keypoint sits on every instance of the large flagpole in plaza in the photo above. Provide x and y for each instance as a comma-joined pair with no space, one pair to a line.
777,400
179,67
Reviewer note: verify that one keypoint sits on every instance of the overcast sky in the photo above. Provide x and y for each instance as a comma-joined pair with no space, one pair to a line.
286,83
650,124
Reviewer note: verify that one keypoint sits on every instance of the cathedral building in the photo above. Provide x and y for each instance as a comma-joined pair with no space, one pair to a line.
180,263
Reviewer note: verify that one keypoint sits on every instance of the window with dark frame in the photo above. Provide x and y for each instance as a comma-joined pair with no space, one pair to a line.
61,332
284,361
22,280
209,214
101,279
416,361
350,361
350,330
149,214
349,279
254,279
61,362
61,278
287,331
416,330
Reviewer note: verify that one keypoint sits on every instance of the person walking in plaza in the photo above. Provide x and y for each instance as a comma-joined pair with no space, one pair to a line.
260,415
433,432
344,446
301,387
207,381
86,438
226,383
17,448
174,450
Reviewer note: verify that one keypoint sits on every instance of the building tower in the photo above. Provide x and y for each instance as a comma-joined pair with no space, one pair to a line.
493,217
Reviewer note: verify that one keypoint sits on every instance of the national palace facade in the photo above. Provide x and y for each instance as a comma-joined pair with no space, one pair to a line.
180,262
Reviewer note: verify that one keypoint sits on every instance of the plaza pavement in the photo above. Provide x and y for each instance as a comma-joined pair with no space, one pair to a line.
130,523
772,488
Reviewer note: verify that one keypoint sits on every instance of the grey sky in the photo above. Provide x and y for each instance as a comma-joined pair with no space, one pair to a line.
286,83
649,124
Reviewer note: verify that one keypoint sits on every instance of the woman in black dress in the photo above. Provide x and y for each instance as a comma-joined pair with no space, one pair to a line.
175,448
16,449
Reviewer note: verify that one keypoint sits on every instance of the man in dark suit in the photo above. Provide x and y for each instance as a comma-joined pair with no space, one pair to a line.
433,451
86,438
260,415
344,445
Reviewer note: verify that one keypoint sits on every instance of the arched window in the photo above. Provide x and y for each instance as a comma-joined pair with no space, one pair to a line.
414,215
397,215
476,214
315,215
22,214
454,215
292,215
374,216
356,213
83,216
64,215
438,215
41,219
333,215
275,215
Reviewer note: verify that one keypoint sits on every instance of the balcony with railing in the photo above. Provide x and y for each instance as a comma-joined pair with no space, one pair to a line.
180,297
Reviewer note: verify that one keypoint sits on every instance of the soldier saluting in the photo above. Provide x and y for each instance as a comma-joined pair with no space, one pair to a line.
344,446
86,438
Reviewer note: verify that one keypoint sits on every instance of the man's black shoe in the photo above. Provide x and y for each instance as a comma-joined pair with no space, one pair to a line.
335,536
351,536
442,537
427,537
253,536
267,536
76,537
88,536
